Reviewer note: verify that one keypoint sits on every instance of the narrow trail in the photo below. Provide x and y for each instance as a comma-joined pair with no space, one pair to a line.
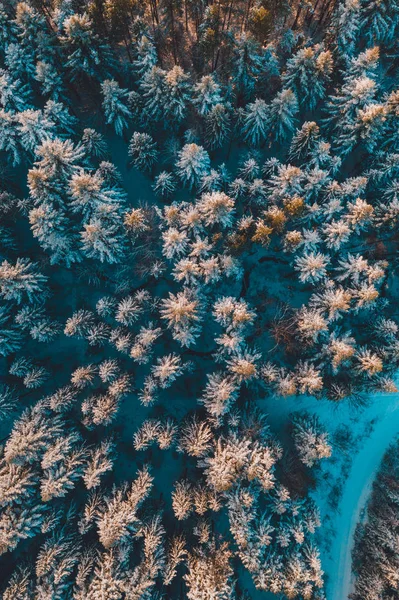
356,493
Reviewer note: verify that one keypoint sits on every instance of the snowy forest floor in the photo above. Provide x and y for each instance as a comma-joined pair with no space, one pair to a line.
357,492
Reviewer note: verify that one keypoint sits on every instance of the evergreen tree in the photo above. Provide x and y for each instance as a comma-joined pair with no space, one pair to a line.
86,53
310,440
217,126
379,19
164,185
59,158
49,79
305,141
206,95
282,115
114,105
59,114
21,280
7,401
346,28
94,143
308,73
19,62
102,237
193,163
247,66
8,29
256,122
364,64
33,33
143,151
10,337
177,96
34,129
146,56
153,88
88,193
342,109
9,137
368,129
14,95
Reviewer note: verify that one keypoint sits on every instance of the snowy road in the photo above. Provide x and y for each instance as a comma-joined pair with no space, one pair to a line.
356,493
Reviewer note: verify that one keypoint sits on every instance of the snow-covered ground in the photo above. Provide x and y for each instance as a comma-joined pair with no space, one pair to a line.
357,491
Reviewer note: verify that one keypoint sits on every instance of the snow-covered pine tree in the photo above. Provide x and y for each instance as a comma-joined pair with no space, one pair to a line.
115,106
153,90
193,163
379,19
87,54
177,96
217,125
50,80
206,95
283,112
256,122
9,137
247,65
143,151
22,280
345,28
308,74
146,56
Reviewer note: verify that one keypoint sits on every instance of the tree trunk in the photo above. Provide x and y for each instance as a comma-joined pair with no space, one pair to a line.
127,49
227,17
297,16
312,14
247,11
172,19
156,11
324,12
152,16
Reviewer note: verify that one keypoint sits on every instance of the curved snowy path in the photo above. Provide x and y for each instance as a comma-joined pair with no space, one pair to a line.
383,409
357,491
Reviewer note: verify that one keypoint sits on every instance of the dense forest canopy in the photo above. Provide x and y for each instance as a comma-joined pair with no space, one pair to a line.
198,219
